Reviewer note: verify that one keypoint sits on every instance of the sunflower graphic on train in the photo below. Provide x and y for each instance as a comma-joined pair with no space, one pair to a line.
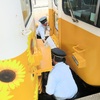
12,73
30,49
6,95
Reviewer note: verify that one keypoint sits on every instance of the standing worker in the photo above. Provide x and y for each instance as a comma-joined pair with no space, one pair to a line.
60,82
41,30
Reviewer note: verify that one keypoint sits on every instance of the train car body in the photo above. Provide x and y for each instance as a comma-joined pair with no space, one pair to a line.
21,56
75,24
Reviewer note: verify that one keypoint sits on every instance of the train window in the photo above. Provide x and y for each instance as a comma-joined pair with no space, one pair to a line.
26,10
84,10
56,21
56,2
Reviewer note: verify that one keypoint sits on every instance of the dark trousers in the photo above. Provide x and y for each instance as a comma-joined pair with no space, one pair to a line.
38,37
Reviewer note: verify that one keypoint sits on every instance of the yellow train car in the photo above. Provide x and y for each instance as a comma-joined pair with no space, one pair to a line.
21,54
75,26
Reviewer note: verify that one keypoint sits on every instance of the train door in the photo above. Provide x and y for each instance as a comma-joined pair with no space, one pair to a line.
53,20
80,37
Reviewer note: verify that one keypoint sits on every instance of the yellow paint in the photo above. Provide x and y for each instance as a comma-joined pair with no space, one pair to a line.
27,90
53,32
34,52
25,14
51,21
80,62
87,50
46,62
5,95
55,39
16,67
81,44
25,85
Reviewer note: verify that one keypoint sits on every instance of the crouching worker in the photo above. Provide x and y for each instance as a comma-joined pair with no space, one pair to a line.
41,29
60,82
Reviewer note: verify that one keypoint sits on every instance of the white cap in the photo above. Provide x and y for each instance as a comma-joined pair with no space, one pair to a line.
43,20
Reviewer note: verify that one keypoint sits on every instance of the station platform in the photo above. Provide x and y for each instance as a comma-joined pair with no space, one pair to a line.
91,97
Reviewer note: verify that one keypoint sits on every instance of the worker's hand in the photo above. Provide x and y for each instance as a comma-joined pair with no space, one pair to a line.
48,28
43,41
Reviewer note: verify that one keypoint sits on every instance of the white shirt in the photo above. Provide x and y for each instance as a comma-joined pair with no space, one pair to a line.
41,30
60,82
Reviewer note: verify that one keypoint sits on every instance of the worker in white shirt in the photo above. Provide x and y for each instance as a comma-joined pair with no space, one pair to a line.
60,82
41,30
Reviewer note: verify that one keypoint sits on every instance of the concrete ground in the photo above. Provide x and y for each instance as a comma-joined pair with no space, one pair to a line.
91,97
40,9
